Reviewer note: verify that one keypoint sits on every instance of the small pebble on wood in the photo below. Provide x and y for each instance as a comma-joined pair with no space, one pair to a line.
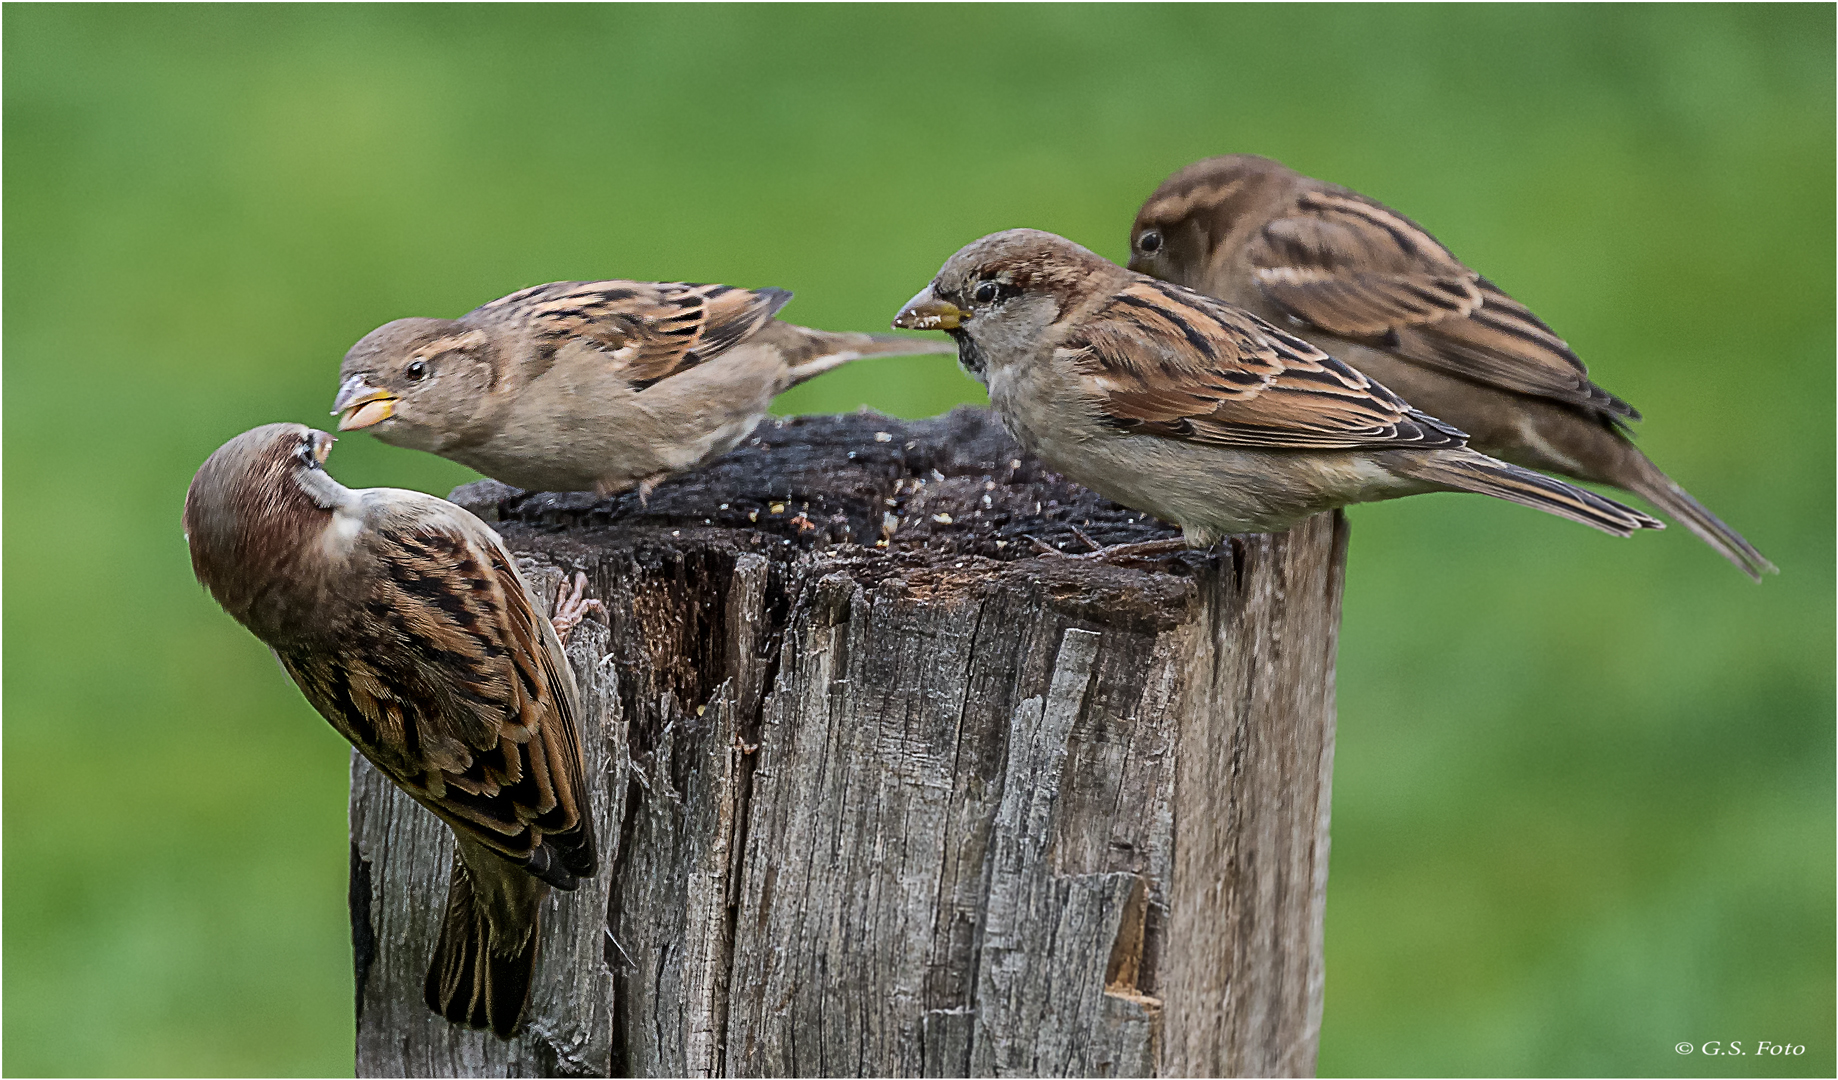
883,791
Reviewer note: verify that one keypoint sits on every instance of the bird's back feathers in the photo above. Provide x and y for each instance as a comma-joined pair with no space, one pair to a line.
1358,269
651,330
454,685
1165,360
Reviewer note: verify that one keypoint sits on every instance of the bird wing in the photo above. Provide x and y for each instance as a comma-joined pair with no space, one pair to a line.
651,330
1166,360
1357,269
455,686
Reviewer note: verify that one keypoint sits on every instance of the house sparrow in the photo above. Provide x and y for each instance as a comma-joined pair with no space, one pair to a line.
1171,402
596,385
407,625
1371,287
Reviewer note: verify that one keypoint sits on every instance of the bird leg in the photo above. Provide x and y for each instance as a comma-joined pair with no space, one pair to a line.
606,489
648,485
572,606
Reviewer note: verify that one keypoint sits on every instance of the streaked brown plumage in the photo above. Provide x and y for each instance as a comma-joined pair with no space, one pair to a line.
598,385
1370,286
407,625
1169,401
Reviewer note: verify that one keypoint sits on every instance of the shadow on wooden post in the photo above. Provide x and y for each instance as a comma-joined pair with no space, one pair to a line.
934,806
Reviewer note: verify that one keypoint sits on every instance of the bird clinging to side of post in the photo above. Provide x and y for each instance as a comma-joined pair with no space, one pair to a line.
406,623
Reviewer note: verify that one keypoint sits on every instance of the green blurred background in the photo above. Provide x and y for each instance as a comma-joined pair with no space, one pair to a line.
1584,791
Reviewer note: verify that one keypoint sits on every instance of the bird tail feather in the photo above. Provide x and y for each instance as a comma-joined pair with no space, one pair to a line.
1675,502
483,967
1470,470
818,351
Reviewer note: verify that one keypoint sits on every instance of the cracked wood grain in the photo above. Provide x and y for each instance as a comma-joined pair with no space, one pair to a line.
930,807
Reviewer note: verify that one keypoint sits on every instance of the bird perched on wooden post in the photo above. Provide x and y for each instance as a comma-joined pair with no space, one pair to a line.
1370,286
407,625
598,385
1172,402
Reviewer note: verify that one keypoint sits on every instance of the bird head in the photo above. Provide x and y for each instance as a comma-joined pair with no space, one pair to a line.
418,383
252,505
999,296
1193,215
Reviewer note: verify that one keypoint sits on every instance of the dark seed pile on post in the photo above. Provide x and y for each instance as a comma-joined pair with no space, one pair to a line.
951,485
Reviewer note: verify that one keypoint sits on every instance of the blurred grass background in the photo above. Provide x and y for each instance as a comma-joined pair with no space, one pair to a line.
1584,794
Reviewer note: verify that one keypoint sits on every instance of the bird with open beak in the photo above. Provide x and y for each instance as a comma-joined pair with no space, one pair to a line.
1366,283
1177,404
406,623
591,385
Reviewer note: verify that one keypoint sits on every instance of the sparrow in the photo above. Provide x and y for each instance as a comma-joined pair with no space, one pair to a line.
405,622
600,385
1370,286
1174,403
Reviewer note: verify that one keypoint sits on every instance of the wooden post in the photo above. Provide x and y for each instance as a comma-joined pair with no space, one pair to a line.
936,806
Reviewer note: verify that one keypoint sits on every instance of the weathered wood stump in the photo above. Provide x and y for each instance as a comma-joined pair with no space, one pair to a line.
882,791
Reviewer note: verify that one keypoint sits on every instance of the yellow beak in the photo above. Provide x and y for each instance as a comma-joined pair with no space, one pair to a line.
360,405
927,312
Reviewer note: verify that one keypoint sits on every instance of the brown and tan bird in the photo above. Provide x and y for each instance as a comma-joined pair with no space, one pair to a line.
407,625
599,385
1370,286
1169,401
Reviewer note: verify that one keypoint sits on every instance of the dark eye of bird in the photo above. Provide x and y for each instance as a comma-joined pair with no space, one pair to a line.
1149,242
986,293
416,371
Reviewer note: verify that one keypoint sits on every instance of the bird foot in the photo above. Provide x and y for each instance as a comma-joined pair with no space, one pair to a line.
572,606
648,485
619,485
1116,554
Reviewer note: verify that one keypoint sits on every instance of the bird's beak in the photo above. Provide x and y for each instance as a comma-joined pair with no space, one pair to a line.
322,446
927,312
360,404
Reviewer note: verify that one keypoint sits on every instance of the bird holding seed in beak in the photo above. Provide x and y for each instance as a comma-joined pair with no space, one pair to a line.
1171,402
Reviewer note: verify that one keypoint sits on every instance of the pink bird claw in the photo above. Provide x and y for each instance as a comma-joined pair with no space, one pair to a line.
572,606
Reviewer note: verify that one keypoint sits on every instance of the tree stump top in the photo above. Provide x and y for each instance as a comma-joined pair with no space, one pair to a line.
944,504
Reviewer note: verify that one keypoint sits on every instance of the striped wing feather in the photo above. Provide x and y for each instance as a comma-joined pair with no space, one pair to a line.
457,689
1355,268
652,330
1168,361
